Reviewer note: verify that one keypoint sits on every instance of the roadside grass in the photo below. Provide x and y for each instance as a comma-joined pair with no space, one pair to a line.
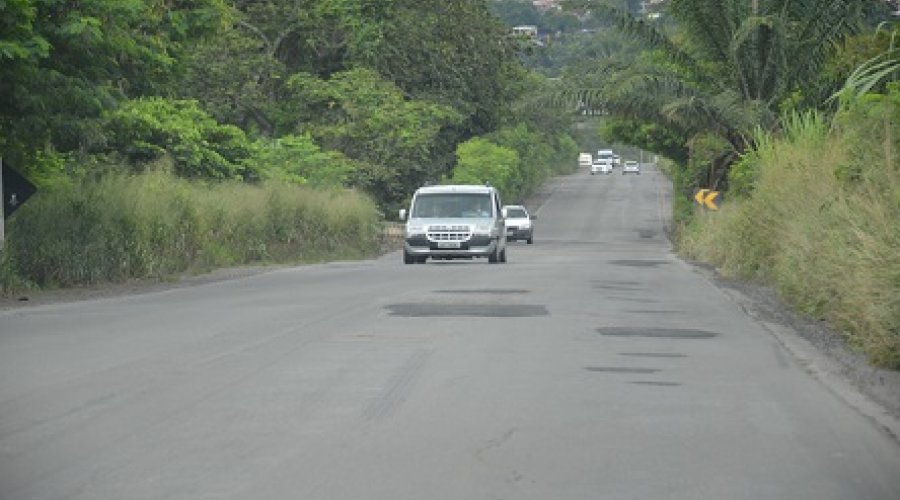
822,224
155,225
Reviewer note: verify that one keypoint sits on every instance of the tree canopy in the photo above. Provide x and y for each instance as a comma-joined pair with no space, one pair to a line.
385,90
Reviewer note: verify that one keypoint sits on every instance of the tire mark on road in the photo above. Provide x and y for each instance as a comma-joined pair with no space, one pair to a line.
398,388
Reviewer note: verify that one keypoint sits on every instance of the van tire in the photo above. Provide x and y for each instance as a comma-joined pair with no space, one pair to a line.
494,257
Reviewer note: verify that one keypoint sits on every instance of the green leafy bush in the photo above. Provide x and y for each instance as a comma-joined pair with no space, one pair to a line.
480,161
297,159
146,129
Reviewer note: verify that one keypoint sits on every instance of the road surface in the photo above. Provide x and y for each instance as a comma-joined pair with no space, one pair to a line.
594,365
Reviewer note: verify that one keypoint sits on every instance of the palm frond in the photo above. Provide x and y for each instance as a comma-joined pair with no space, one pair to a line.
869,74
638,30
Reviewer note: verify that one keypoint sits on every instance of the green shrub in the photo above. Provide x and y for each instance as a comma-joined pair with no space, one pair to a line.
148,128
480,161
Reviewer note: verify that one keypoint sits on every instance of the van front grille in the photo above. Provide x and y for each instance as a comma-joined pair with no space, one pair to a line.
449,233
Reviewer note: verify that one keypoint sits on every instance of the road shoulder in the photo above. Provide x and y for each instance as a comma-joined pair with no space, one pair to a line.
822,351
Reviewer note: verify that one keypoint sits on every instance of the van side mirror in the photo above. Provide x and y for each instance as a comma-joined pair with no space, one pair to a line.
402,214
504,213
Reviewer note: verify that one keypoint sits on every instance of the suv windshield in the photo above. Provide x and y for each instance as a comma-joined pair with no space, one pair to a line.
452,205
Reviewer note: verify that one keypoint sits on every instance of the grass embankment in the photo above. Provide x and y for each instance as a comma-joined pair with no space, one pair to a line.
156,226
816,212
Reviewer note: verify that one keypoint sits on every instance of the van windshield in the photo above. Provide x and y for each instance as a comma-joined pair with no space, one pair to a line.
452,205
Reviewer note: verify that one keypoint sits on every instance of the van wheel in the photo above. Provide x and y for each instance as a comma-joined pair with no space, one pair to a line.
494,257
530,240
503,256
407,258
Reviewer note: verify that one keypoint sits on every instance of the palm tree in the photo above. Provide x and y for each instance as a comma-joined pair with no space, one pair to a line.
727,70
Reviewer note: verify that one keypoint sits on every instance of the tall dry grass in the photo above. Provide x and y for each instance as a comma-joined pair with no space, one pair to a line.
822,224
155,225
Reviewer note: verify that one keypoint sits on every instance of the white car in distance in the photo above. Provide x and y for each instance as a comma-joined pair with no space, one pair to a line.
519,224
601,167
631,167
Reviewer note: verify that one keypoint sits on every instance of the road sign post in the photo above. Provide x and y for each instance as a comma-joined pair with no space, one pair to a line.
14,191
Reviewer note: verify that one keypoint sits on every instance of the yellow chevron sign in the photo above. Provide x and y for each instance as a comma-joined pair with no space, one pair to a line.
707,198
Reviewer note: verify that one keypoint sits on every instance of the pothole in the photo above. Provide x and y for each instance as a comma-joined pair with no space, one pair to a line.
487,291
653,354
638,263
620,369
423,310
657,333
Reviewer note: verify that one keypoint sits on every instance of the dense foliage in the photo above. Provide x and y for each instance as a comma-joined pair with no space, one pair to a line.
715,72
384,90
816,213
375,97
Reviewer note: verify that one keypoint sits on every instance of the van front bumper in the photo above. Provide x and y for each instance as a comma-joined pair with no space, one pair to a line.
476,246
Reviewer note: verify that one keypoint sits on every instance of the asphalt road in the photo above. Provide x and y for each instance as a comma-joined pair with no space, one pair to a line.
594,365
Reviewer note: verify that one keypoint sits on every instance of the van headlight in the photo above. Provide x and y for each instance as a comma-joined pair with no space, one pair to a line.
483,229
413,230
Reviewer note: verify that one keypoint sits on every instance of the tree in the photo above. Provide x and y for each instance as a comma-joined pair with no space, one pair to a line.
481,161
732,66
368,119
62,64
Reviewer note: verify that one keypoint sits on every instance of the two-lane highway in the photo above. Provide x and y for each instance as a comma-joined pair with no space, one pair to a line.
594,365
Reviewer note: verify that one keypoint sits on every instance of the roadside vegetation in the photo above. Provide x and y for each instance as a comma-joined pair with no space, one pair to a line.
154,225
167,137
816,212
788,108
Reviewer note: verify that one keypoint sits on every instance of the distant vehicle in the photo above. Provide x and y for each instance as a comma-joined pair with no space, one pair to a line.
606,155
454,222
585,160
601,167
617,160
519,224
631,167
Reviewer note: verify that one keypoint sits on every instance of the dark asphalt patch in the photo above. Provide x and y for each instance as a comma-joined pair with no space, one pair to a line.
638,263
633,299
656,333
651,311
619,369
647,233
487,291
659,384
653,354
425,310
617,288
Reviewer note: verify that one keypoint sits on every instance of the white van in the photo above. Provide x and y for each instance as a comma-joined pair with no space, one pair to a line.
454,222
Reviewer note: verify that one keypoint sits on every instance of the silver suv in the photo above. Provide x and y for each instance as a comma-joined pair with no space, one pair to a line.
454,222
